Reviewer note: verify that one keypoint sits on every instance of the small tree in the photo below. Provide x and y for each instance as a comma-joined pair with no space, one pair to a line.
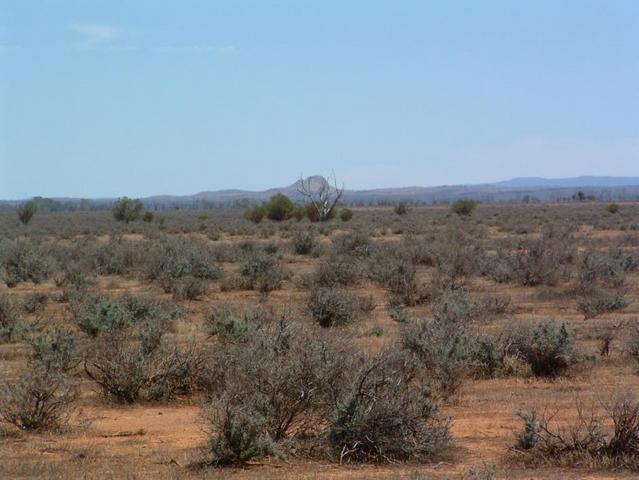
464,207
127,210
27,211
322,198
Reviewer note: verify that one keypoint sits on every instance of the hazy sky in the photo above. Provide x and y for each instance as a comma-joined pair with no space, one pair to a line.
108,98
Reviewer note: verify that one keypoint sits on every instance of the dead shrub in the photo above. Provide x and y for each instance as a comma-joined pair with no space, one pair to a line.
586,440
41,399
386,416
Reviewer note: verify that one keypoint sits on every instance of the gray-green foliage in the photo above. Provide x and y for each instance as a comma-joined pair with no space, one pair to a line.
240,436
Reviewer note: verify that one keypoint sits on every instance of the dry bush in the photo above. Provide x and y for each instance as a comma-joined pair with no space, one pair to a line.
443,348
186,288
25,261
332,307
533,261
263,273
41,399
10,321
585,441
600,283
117,256
179,257
128,367
303,243
338,270
289,377
387,416
356,243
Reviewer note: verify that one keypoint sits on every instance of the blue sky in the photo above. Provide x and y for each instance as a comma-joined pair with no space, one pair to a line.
108,98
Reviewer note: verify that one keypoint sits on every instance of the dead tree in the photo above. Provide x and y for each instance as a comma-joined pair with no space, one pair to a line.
321,198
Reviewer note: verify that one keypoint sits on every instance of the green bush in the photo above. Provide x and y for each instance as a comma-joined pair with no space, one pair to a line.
279,208
345,214
612,208
464,207
57,350
548,347
10,321
303,242
401,208
126,210
35,302
26,211
255,214
26,261
443,348
240,436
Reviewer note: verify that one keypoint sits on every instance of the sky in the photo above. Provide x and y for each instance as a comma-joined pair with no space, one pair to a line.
110,98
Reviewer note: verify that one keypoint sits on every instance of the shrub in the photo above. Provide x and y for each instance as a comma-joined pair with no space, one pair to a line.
34,302
443,348
403,285
401,208
26,261
229,325
288,376
548,347
303,242
612,208
263,273
41,399
26,211
127,371
188,288
338,270
279,207
586,439
98,315
357,244
240,436
179,258
535,261
57,350
255,214
10,321
464,207
94,316
332,307
596,302
148,217
126,210
346,214
386,417
632,343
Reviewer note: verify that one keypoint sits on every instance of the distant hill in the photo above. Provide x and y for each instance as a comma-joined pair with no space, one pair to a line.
572,182
524,189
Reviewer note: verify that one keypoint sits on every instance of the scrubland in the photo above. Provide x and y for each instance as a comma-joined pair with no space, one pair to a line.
402,343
